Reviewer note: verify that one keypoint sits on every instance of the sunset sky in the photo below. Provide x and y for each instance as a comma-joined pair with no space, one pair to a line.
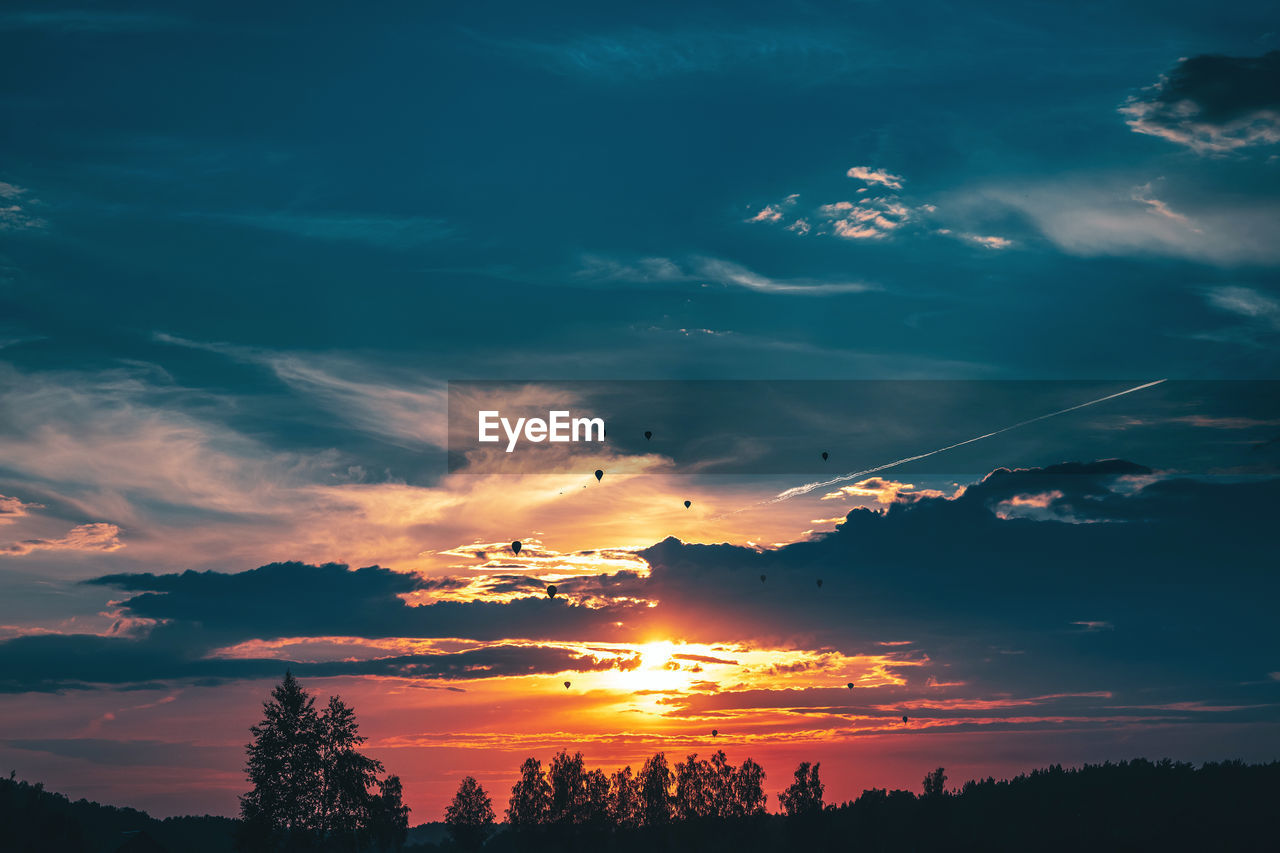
245,250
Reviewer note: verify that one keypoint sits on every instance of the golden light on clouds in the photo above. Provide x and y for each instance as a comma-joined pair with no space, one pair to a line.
623,688
880,491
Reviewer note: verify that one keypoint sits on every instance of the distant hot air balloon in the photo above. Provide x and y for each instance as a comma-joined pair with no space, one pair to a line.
515,546
599,475
687,504
715,732
819,583
824,456
551,590
849,685
647,435
566,685
904,718
762,579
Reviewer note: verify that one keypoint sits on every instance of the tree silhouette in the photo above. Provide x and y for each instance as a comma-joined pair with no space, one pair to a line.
935,783
470,815
345,775
283,767
748,790
578,796
719,785
655,791
530,803
389,816
310,784
717,789
693,798
625,808
803,798
568,787
596,802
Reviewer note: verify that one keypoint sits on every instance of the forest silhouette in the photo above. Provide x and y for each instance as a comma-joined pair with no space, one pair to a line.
311,789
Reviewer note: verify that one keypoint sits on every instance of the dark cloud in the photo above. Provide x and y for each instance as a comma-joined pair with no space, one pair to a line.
507,584
1179,567
282,593
197,613
1213,104
486,662
299,600
81,661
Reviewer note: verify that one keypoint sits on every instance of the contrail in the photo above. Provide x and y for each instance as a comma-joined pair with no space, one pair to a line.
809,487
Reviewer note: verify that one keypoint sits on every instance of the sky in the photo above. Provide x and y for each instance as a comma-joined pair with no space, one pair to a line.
250,256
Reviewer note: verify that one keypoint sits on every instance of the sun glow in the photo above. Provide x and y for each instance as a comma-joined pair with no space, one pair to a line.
659,672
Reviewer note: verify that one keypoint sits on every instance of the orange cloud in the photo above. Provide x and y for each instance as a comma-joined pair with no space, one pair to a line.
98,536
882,491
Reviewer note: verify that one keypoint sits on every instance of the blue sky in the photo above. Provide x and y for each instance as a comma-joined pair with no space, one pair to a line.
281,181
244,248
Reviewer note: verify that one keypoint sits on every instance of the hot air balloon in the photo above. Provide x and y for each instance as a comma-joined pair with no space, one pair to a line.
715,732
599,475
824,456
904,718
687,504
515,546
762,579
551,590
647,435
849,685
819,583
566,685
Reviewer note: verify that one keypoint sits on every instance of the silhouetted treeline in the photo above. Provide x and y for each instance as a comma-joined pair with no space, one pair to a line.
313,790
568,805
1132,805
33,820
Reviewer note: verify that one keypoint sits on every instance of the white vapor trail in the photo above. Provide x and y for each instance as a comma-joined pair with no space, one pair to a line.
809,487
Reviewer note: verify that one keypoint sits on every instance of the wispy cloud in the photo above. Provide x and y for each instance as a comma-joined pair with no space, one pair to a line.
412,412
775,212
98,536
986,241
725,272
13,508
1107,215
374,229
1146,195
1246,302
16,209
709,270
876,176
